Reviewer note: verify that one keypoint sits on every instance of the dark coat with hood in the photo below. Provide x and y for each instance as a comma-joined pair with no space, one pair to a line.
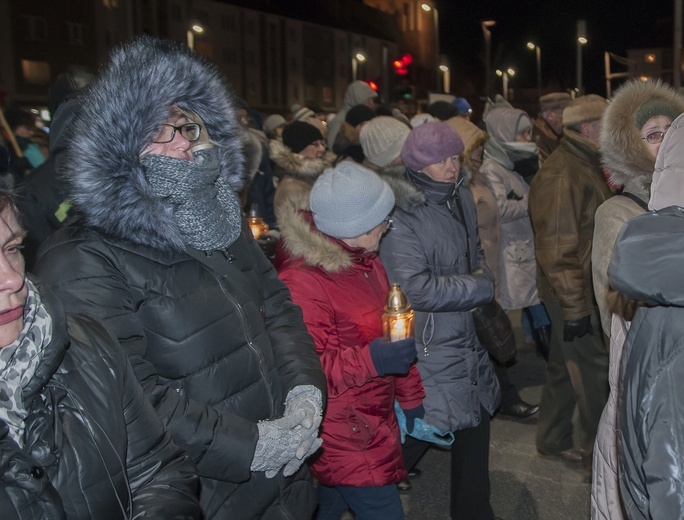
213,337
93,445
427,252
342,292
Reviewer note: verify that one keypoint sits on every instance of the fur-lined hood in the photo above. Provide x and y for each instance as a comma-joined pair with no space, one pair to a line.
119,113
296,165
301,240
623,152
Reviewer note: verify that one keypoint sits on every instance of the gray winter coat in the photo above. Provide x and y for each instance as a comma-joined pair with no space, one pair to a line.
426,251
93,446
647,266
213,337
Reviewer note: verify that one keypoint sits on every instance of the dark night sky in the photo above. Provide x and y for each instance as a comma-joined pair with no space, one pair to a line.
612,25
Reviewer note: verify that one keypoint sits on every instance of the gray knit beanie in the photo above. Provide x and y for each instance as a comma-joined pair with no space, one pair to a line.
349,200
382,139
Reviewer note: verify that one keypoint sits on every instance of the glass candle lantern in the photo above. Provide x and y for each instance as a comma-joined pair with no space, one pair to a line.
397,320
256,224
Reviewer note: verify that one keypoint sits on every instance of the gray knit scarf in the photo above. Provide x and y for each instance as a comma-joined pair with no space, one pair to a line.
19,360
204,207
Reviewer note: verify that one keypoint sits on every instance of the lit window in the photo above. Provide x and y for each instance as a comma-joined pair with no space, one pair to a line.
650,58
36,72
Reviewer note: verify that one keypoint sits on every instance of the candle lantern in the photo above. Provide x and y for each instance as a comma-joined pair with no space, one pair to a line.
397,320
256,224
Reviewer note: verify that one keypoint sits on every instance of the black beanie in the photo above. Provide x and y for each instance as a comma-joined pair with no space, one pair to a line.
442,110
359,114
298,135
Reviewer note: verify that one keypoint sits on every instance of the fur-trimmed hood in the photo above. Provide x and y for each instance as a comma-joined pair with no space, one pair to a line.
623,152
119,113
406,195
296,165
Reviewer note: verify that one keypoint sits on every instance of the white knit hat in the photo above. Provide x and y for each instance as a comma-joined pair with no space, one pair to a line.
422,118
382,139
349,200
300,113
272,122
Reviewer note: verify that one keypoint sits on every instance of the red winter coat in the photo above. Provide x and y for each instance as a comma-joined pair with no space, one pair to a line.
342,294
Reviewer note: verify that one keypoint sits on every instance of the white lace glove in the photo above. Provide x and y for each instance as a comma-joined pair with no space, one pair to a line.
277,444
306,399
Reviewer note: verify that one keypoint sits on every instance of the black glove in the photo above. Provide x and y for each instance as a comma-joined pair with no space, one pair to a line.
412,414
577,328
392,358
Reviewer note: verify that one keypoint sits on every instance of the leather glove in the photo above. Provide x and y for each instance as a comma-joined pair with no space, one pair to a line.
278,443
412,414
394,357
577,328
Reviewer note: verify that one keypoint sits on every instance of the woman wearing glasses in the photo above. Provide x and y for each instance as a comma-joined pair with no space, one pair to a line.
633,128
335,275
163,255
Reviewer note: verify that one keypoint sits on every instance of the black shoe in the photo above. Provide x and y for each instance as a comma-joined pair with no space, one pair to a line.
415,472
404,485
542,337
519,410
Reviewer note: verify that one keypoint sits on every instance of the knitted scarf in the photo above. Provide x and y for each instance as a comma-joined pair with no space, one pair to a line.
206,210
19,360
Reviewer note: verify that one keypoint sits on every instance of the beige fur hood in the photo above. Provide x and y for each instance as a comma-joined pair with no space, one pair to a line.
623,152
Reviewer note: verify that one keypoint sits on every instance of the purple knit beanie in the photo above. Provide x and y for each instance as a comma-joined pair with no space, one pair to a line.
430,143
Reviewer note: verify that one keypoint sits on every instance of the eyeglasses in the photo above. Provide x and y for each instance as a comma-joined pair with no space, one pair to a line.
655,137
191,131
387,223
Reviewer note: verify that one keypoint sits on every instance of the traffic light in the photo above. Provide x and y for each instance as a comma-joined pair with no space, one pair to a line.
372,84
401,65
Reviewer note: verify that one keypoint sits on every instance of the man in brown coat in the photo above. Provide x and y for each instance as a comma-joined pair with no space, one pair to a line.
548,127
564,196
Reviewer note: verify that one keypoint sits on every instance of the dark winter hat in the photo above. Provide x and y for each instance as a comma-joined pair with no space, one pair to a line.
359,114
554,101
442,110
462,106
298,135
349,200
430,143
653,108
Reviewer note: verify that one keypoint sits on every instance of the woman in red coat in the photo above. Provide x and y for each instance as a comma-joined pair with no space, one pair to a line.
335,275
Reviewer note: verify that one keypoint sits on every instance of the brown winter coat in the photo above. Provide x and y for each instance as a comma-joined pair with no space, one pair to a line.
563,199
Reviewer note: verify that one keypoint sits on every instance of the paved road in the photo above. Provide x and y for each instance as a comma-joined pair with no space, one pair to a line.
524,486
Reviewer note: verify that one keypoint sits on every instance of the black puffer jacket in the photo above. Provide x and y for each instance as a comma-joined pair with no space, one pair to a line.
94,447
213,337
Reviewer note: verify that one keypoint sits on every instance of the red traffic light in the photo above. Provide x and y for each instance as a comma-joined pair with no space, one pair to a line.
372,84
401,65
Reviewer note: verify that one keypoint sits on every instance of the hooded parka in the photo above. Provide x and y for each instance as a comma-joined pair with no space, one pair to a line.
629,163
342,292
93,445
213,336
358,93
427,252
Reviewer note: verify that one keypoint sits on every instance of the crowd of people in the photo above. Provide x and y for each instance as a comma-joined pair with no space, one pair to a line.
161,360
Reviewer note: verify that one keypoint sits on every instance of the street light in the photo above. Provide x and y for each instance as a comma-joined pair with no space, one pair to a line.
581,41
446,83
486,24
435,24
195,28
537,49
356,59
505,74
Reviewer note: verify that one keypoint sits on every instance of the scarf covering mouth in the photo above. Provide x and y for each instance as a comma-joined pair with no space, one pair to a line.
19,361
205,209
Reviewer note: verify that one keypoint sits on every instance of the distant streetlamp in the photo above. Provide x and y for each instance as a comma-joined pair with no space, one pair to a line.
486,24
446,83
537,49
581,42
505,74
359,57
195,28
435,24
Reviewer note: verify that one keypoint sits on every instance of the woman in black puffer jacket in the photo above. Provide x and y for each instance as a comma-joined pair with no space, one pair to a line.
78,439
164,256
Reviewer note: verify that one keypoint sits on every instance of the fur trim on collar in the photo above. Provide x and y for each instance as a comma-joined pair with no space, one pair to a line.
406,195
297,165
623,152
119,113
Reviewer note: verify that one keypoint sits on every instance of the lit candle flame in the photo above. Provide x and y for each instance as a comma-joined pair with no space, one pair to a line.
398,330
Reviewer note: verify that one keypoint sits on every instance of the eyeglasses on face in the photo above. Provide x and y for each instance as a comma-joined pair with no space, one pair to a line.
387,223
191,131
655,137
